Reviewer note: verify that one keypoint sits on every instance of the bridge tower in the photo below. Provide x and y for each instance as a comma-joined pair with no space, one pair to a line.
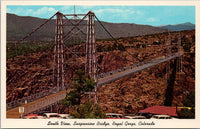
58,69
168,54
171,73
179,51
91,61
169,85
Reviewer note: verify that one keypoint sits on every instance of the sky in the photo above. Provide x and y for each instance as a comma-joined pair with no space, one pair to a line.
146,15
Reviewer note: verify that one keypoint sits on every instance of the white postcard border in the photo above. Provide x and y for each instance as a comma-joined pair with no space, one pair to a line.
40,123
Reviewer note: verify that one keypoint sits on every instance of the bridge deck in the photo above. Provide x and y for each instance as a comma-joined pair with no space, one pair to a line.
56,97
37,105
118,75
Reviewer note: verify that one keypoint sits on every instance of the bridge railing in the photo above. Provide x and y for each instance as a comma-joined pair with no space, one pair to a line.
165,57
41,105
31,98
109,76
102,75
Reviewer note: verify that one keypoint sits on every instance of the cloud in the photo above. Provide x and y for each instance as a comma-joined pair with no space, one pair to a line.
64,8
44,10
15,11
28,12
139,13
8,10
151,19
110,10
88,7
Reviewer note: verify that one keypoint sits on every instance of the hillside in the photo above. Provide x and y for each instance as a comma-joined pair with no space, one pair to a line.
33,73
179,27
19,26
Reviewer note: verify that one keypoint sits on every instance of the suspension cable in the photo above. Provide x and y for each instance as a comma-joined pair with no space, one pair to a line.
15,44
37,28
110,34
70,36
74,25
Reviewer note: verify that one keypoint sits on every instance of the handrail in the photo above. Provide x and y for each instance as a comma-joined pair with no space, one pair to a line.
30,98
111,76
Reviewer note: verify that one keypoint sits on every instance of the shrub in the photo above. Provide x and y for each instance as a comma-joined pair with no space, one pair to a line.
88,110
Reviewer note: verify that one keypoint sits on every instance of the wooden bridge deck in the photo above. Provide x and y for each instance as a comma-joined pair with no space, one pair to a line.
37,105
123,73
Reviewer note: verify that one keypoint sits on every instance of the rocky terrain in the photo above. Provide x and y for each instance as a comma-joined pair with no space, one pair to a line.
33,73
147,88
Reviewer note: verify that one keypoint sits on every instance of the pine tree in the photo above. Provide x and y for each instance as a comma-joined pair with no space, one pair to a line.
81,83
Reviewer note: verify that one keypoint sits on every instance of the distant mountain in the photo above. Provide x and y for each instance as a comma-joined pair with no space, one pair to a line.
19,26
179,27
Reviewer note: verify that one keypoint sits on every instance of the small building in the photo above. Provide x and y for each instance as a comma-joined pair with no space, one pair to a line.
161,110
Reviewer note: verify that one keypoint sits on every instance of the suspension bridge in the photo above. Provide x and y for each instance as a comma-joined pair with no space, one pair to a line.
52,97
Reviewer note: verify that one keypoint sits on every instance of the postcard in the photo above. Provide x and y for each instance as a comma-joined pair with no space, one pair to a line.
100,64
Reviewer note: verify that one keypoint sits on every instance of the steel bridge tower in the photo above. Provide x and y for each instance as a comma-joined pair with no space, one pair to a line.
168,54
180,58
91,61
58,69
172,72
